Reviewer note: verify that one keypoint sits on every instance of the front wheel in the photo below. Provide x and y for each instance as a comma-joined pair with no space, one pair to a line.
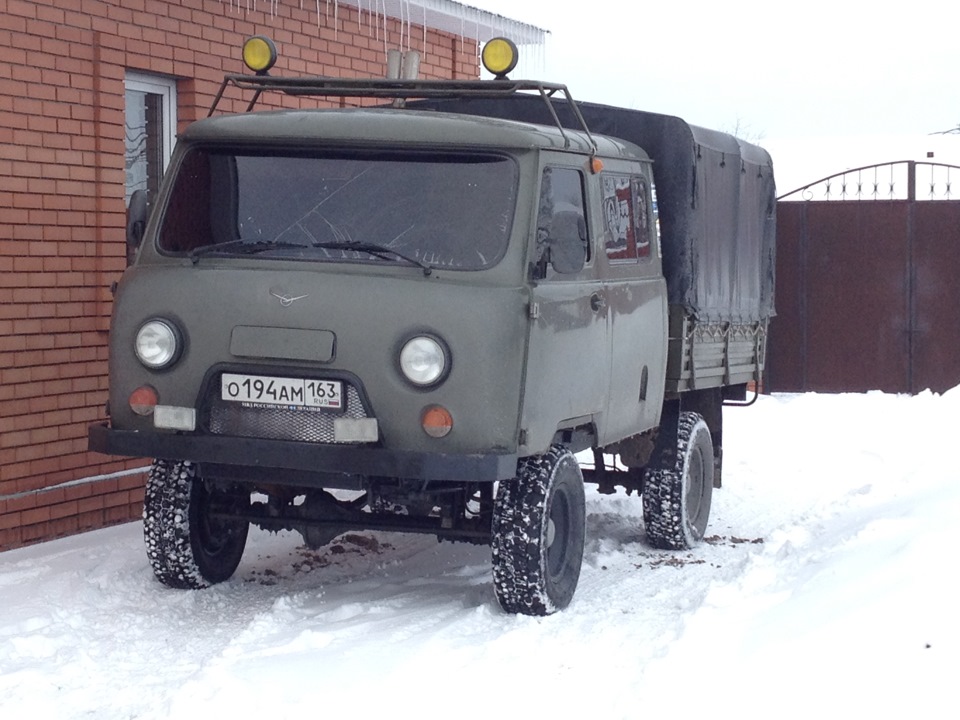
678,489
539,524
187,545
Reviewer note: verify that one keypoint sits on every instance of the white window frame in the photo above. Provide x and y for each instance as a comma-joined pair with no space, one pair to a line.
166,88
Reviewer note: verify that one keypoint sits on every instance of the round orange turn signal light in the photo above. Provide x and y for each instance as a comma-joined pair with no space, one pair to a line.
143,400
437,421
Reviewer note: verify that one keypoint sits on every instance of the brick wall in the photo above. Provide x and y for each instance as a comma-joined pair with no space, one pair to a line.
62,208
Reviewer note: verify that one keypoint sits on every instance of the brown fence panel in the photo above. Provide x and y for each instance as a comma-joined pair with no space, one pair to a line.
853,313
787,350
936,262
857,267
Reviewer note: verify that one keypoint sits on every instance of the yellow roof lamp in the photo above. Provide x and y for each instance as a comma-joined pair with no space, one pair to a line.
259,54
499,57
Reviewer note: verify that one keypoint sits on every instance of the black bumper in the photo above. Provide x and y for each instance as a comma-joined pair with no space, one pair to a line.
303,457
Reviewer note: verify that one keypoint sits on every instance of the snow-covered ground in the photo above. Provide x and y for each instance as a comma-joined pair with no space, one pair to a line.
827,587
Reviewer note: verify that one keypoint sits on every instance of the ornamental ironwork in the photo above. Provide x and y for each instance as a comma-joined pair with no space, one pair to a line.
898,180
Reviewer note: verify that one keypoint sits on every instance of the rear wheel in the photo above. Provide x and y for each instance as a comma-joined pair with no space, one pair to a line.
187,545
678,487
538,534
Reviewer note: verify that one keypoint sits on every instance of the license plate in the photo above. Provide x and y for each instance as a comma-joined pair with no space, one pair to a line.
277,392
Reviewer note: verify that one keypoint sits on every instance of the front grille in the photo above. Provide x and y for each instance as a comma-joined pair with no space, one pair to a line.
232,418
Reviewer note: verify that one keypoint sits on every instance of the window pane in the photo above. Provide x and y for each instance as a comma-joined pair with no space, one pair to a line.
625,217
450,211
144,134
561,212
641,217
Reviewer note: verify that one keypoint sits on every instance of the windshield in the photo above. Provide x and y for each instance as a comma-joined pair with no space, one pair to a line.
448,210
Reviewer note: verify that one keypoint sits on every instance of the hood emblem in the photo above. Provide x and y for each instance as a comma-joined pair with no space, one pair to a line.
287,300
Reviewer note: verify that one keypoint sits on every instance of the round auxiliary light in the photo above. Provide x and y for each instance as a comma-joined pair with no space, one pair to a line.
423,361
259,54
499,56
157,344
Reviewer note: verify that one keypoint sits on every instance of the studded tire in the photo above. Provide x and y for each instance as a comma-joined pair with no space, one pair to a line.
188,548
539,524
678,490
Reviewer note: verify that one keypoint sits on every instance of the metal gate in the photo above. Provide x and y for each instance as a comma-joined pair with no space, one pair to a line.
868,282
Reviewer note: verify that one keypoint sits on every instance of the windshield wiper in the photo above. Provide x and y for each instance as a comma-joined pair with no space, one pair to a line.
380,251
252,247
240,247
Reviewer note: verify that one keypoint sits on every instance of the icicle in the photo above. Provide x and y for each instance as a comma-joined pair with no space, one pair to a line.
318,13
409,26
424,8
477,35
384,28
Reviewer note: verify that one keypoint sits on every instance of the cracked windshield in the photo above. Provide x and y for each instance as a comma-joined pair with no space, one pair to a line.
448,211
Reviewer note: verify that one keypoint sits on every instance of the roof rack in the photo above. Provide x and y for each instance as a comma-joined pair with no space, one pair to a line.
404,90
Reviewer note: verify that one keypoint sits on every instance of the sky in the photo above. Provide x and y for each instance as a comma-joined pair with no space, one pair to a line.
819,83
826,588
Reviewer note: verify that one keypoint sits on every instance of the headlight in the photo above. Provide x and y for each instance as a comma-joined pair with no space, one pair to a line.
423,360
158,344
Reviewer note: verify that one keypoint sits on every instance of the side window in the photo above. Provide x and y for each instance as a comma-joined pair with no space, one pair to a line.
626,217
562,240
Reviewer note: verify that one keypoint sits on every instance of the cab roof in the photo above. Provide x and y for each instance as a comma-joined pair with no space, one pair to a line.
400,127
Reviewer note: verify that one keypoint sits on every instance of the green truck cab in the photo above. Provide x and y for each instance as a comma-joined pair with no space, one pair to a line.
411,317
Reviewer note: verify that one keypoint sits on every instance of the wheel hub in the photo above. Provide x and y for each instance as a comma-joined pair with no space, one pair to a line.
551,532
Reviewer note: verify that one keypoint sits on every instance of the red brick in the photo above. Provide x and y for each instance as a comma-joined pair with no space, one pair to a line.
10,520
61,527
90,520
63,510
11,538
121,514
35,515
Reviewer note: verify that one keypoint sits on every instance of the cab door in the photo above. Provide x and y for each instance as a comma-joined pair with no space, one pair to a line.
636,296
566,381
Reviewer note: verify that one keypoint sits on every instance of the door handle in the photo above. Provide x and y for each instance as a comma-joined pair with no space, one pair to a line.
597,302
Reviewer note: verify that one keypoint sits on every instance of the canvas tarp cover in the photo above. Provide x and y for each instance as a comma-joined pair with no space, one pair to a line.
715,196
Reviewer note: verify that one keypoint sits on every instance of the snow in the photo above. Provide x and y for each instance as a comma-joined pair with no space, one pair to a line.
826,586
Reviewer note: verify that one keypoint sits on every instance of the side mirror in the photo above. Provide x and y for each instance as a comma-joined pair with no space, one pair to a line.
136,222
567,242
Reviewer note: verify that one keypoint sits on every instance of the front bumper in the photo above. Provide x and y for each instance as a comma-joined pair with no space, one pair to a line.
303,457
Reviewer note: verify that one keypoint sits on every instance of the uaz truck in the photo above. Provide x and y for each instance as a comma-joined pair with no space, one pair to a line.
419,313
